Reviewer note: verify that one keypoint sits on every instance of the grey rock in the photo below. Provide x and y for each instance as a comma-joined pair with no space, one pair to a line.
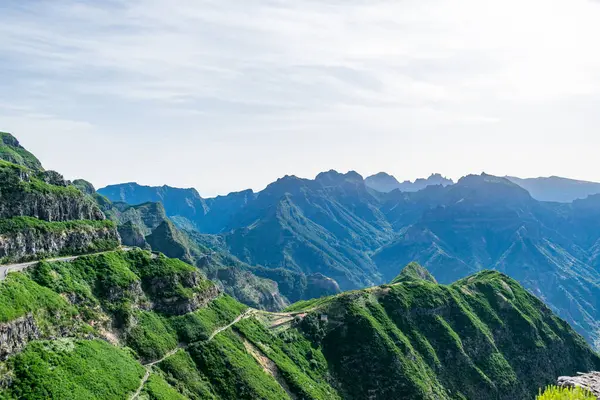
30,244
589,381
14,335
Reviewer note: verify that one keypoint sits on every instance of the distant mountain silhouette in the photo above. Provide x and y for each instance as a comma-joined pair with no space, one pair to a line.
557,189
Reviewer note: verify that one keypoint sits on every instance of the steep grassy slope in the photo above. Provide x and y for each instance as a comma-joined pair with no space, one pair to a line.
488,222
482,337
12,151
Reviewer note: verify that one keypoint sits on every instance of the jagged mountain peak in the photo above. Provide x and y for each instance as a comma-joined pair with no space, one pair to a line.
333,177
385,183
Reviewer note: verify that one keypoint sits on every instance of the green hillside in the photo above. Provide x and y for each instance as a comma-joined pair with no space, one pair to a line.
12,151
160,319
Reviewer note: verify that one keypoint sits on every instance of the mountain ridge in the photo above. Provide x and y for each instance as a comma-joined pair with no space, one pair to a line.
339,227
130,322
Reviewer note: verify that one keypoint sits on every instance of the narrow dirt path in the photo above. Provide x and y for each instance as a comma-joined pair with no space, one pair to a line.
268,366
247,314
149,371
263,360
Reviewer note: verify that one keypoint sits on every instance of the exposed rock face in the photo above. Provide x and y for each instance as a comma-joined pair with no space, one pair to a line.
43,195
29,244
589,381
14,335
132,236
132,292
249,289
85,186
50,207
170,298
319,285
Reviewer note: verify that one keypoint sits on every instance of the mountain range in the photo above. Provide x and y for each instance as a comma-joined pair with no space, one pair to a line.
88,318
341,228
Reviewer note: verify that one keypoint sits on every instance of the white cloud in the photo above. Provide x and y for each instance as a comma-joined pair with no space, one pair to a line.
430,77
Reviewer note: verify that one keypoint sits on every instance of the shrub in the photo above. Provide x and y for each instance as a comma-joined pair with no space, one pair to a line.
557,393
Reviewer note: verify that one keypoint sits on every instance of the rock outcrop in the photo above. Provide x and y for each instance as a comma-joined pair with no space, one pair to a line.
132,236
589,382
12,151
31,243
43,195
181,293
14,335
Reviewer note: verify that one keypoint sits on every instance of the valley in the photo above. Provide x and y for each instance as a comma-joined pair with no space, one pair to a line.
311,289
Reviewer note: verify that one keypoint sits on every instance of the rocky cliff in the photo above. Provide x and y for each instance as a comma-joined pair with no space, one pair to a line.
25,238
589,381
14,335
42,195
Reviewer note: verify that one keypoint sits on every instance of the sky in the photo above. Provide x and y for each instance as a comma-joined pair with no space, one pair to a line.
224,95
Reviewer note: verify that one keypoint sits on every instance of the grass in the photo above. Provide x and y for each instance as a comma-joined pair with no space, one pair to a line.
233,373
309,304
199,325
20,295
95,277
151,337
303,367
558,393
25,224
181,373
14,153
82,370
158,389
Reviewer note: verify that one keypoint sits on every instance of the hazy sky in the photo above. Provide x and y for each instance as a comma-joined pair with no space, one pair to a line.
224,95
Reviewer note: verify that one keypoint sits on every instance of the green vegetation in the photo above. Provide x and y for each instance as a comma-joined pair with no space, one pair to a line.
19,296
557,393
414,271
414,339
66,369
158,389
309,304
151,337
104,278
42,194
303,367
199,325
26,224
233,373
180,372
13,152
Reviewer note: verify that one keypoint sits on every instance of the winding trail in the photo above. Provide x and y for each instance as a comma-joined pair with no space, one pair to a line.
149,371
246,314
